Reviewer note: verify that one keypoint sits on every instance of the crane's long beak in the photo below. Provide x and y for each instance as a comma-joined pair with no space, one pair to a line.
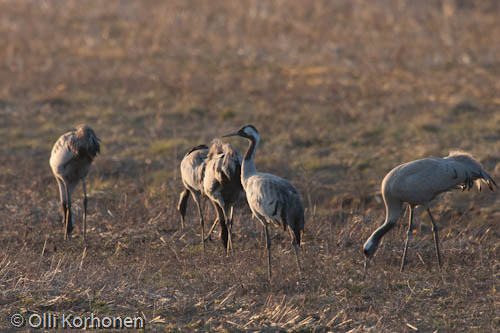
231,134
367,261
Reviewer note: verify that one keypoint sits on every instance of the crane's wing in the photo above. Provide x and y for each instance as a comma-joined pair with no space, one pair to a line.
61,153
486,179
193,167
422,180
272,196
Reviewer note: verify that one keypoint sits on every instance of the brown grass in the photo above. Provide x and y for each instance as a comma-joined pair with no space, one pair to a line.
341,92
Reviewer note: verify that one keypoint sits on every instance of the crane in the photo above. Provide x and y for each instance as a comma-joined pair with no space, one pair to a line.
192,172
70,162
272,199
418,183
215,173
222,185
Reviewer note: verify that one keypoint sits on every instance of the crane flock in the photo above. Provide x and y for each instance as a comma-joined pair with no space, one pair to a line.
220,174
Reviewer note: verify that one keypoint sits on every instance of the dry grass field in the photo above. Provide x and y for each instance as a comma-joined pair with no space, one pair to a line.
341,91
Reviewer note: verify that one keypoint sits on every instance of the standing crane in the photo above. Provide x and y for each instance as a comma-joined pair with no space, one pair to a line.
222,185
70,161
272,199
215,173
418,183
192,172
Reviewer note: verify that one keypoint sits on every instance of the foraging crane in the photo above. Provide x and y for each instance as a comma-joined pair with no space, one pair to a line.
418,183
70,161
222,185
272,199
215,173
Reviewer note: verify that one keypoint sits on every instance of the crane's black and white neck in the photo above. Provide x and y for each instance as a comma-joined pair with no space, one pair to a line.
250,133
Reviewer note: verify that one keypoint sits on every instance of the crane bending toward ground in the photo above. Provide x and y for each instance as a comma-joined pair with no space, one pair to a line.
70,162
272,199
215,173
418,183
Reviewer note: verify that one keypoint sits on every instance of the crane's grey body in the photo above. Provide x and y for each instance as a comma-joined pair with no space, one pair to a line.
70,162
418,183
272,199
215,173
193,168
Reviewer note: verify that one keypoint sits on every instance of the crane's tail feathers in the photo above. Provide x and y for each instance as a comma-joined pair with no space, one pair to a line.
474,171
490,182
478,184
228,160
468,181
486,178
478,178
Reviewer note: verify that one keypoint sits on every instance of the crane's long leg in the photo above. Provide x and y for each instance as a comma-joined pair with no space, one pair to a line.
68,211
408,238
212,229
218,213
196,197
436,237
181,207
296,248
268,245
220,202
224,230
229,225
231,215
217,221
62,196
84,186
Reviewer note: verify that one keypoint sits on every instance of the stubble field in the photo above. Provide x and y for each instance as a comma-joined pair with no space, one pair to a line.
341,92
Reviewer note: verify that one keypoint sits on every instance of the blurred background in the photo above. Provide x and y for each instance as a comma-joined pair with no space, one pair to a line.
341,92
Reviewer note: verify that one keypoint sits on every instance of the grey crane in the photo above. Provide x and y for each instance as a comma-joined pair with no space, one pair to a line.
215,173
192,172
222,185
272,199
70,162
418,183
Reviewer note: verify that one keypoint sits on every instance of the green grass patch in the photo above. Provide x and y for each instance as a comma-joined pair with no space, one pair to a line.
167,146
226,114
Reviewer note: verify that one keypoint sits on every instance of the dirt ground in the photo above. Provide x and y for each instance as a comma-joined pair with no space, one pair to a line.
341,92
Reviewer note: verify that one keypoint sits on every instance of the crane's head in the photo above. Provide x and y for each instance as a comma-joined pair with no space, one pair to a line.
369,250
85,131
86,142
248,132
